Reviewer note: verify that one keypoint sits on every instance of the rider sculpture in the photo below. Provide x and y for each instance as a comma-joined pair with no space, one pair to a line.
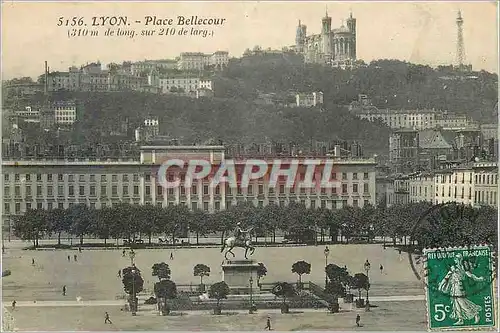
239,239
239,234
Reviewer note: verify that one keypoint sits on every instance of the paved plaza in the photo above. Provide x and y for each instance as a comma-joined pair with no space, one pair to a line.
93,279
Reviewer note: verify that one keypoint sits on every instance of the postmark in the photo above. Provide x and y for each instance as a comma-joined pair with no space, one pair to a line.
459,288
448,225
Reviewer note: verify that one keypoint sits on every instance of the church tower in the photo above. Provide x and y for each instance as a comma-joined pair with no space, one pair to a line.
300,38
326,36
351,25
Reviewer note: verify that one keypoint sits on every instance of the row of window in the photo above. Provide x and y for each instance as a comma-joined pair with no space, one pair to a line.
194,205
82,191
159,190
455,195
454,178
125,177
487,179
486,197
71,178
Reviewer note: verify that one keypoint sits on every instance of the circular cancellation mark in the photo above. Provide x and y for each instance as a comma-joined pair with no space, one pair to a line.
458,251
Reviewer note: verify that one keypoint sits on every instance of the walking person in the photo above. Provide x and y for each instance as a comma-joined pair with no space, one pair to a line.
171,256
75,258
80,249
64,290
106,318
381,269
268,324
33,261
123,253
69,258
119,273
358,319
14,304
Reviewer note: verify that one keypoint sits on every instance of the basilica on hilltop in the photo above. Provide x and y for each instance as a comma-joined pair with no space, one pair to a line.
335,47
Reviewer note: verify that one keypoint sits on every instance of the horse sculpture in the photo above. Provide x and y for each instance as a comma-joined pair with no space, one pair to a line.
231,242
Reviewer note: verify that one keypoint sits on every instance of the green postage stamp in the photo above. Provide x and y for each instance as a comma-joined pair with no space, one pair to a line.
460,288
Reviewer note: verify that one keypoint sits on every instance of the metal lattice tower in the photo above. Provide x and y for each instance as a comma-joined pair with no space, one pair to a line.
460,40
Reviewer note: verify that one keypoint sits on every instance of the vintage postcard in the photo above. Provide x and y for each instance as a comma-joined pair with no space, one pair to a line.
249,166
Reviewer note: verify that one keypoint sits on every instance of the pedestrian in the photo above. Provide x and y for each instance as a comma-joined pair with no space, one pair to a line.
64,290
80,249
69,258
171,256
106,318
123,253
358,319
119,273
33,261
367,306
399,251
75,257
14,304
268,323
381,269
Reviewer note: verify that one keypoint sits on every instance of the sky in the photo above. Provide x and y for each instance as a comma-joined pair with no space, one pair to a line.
419,32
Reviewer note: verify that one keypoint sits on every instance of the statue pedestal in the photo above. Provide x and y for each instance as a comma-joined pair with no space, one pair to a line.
237,273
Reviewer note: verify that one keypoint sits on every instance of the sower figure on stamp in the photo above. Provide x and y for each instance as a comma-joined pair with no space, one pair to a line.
453,284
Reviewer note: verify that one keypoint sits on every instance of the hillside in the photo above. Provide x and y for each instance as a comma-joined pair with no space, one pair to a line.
390,83
230,120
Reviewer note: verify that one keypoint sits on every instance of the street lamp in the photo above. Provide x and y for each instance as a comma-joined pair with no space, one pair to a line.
251,295
326,252
132,256
367,270
133,271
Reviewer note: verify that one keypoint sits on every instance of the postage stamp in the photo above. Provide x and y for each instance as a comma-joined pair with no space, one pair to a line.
460,288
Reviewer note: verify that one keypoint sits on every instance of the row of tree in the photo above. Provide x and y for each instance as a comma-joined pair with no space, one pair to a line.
132,221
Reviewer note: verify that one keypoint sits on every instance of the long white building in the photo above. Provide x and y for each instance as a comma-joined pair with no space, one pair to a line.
61,184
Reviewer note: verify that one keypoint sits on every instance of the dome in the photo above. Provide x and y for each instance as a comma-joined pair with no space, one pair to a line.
343,29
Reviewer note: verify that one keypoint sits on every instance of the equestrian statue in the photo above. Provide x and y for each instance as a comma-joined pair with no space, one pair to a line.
239,239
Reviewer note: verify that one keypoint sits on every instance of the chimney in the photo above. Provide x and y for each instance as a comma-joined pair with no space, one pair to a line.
46,85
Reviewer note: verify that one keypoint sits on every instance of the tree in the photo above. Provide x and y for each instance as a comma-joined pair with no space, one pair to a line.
219,291
133,283
284,290
336,289
31,226
165,289
198,223
261,271
82,218
360,282
201,270
300,268
103,224
58,222
161,270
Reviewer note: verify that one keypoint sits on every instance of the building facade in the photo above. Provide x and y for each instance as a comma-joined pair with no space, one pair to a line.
140,67
65,113
486,184
309,100
183,83
455,185
335,47
39,184
197,61
92,78
421,187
